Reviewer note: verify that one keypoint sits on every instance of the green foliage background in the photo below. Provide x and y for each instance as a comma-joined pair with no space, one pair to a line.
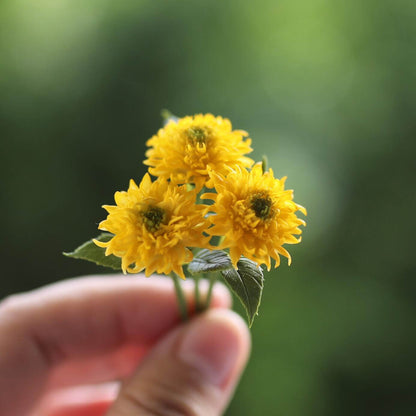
326,90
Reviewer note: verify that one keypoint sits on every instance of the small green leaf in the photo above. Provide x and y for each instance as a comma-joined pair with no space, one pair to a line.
247,284
168,116
264,163
91,252
207,261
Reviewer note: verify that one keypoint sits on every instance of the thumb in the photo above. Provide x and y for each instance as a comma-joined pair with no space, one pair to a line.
192,371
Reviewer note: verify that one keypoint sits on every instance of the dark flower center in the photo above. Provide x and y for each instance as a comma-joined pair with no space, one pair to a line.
153,218
197,135
261,204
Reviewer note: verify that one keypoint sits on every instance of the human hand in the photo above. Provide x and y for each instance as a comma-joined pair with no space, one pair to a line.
65,347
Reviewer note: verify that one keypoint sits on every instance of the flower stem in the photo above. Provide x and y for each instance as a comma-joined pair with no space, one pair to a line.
198,305
183,307
212,279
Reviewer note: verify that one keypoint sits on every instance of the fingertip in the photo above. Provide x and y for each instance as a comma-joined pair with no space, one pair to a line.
218,344
193,370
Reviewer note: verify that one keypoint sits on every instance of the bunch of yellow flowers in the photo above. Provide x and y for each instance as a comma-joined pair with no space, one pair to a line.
210,207
156,225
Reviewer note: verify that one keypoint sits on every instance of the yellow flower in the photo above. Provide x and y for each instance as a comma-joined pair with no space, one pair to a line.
255,214
153,226
185,150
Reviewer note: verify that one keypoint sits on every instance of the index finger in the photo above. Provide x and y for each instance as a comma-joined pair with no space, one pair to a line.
79,318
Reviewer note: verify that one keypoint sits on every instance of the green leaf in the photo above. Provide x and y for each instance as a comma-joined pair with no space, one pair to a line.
207,261
91,252
168,116
247,284
264,163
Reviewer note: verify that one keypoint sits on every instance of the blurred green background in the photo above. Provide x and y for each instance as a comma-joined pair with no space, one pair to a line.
325,88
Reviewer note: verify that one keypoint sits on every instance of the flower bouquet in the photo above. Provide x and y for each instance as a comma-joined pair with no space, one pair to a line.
211,212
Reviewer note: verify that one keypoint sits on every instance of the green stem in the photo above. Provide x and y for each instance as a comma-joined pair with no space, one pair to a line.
198,305
183,307
212,279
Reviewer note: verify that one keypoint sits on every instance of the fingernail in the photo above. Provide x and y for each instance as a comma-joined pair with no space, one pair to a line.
213,344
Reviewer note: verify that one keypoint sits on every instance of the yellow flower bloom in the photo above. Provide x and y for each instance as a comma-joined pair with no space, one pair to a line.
255,214
185,150
153,226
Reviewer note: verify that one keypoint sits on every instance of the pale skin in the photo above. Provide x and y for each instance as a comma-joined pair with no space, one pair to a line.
115,345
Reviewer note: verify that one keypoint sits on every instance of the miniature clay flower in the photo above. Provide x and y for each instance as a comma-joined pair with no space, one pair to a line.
184,150
255,214
154,225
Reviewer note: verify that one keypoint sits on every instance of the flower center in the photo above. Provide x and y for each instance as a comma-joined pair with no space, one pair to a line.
261,204
153,218
197,135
